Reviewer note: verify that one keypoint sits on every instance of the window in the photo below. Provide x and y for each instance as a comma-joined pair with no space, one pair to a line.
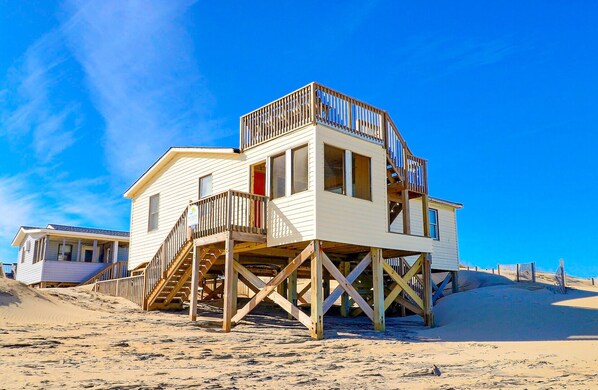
205,186
68,251
433,214
23,254
334,171
278,183
362,181
300,169
154,205
28,246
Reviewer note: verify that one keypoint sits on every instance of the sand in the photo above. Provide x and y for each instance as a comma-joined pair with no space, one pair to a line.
502,335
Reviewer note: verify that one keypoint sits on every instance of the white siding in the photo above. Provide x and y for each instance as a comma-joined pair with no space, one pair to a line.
290,218
346,219
445,254
27,272
69,271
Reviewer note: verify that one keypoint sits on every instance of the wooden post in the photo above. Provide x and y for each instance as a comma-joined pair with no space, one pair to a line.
115,252
563,273
426,217
235,288
292,289
94,256
498,269
144,292
427,279
345,307
378,286
229,275
79,250
455,281
534,272
194,285
317,313
517,271
406,213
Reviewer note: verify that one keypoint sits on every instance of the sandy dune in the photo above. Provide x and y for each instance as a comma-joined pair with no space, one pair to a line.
504,335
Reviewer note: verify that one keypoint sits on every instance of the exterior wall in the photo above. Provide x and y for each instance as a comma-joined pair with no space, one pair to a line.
27,272
445,254
345,219
69,271
290,218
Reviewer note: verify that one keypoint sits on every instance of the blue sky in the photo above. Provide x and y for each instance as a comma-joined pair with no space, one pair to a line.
502,99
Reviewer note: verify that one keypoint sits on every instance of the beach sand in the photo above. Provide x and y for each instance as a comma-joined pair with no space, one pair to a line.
496,335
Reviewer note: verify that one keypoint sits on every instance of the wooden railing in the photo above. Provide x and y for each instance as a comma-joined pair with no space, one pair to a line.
401,266
130,288
112,271
226,211
316,103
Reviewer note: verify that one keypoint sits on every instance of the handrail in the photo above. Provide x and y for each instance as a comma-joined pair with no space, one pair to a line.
316,103
226,211
112,271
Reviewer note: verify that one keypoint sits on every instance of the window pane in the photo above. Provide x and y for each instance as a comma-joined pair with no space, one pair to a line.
205,186
334,172
278,177
361,177
300,175
433,231
433,216
153,212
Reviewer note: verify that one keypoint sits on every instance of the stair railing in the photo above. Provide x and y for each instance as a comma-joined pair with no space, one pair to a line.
113,271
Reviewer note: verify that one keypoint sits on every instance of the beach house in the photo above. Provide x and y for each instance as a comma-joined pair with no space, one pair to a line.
63,256
323,187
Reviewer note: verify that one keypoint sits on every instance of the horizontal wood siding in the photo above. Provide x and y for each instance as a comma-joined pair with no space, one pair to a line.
445,255
69,271
29,273
178,183
291,218
346,219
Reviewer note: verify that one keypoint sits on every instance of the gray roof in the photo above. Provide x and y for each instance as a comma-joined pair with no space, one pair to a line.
76,229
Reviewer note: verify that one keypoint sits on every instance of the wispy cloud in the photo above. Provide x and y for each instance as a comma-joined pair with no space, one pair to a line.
442,55
29,108
141,68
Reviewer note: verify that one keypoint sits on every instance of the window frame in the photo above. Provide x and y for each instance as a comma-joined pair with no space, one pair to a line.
70,253
211,184
156,213
293,189
343,173
354,176
436,225
272,177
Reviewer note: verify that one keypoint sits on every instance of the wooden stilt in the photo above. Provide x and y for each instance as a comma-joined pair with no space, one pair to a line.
235,288
378,286
317,314
455,281
406,212
326,287
426,218
427,284
345,307
229,275
292,289
194,286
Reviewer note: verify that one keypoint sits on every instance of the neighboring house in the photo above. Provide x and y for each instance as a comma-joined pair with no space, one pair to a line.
318,175
59,255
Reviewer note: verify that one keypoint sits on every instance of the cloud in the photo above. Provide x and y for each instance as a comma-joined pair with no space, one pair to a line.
441,55
142,72
30,106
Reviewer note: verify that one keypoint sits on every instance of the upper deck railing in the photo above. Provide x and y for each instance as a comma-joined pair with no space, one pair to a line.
316,103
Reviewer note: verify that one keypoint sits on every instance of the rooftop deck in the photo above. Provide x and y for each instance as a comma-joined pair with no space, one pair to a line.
317,104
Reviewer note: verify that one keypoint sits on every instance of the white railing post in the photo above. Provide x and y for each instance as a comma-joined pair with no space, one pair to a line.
229,202
312,103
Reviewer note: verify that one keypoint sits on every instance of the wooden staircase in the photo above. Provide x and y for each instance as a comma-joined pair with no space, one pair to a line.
175,287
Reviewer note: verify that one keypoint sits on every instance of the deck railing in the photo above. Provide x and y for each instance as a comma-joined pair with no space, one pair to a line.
112,271
130,288
227,211
316,103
